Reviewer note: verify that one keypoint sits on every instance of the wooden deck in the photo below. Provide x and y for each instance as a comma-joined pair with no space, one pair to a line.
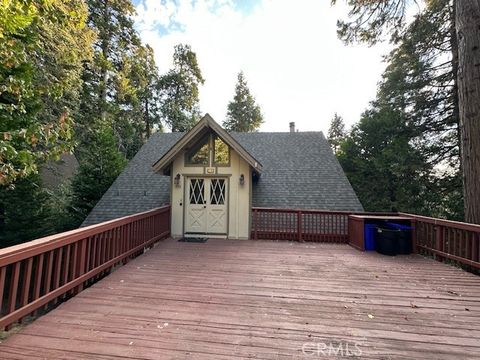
265,300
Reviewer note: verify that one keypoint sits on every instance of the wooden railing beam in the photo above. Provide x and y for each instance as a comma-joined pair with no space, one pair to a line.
57,272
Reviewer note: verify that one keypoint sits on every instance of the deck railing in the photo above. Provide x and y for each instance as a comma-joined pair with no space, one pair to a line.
447,241
444,240
303,225
38,274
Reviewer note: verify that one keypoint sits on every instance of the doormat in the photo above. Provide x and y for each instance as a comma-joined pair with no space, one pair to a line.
193,239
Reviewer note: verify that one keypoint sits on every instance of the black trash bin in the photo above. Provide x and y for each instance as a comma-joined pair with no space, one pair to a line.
404,244
386,241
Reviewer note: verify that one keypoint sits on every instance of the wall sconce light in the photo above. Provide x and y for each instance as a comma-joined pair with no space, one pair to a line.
242,180
176,180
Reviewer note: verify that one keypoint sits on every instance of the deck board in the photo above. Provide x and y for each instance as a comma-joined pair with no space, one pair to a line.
229,299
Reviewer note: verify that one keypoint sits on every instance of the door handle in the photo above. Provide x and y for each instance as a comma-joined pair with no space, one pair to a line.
204,206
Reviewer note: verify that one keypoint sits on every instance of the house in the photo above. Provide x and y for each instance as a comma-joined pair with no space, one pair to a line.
213,178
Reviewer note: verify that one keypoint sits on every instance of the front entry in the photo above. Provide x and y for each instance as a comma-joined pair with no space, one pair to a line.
206,206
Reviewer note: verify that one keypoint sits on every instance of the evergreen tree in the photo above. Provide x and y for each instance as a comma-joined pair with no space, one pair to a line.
138,97
371,19
379,151
418,85
145,78
420,81
101,165
179,90
243,114
336,133
107,83
43,46
27,212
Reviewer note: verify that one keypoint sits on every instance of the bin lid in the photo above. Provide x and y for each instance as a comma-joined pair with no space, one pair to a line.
398,226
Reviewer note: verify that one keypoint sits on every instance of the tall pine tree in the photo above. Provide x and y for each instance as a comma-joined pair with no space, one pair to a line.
106,78
418,85
243,114
336,133
369,20
179,90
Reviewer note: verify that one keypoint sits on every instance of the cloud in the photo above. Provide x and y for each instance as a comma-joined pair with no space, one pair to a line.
294,64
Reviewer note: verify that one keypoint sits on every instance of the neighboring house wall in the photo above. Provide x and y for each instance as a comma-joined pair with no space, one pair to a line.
239,196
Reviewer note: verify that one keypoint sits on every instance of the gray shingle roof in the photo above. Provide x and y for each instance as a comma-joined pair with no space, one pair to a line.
299,171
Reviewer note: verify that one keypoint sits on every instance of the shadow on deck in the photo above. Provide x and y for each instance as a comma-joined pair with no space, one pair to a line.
229,299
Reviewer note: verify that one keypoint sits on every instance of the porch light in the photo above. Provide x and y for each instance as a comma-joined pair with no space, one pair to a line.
176,180
242,180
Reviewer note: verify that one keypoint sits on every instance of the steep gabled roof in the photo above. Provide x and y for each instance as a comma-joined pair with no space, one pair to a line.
205,124
299,171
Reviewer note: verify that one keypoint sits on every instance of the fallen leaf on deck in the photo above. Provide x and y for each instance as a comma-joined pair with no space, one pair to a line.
370,316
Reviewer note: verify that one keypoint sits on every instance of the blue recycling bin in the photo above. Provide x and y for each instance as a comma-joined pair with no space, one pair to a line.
369,237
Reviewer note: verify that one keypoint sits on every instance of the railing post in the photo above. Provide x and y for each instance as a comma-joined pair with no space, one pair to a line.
299,225
255,224
414,236
81,263
439,241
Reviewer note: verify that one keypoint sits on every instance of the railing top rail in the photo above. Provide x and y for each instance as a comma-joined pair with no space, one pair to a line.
319,211
32,248
443,222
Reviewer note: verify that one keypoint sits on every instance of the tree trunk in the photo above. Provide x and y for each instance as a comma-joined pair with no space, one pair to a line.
454,50
147,121
468,37
105,45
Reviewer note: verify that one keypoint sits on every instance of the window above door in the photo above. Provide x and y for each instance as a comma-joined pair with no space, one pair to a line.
199,154
211,150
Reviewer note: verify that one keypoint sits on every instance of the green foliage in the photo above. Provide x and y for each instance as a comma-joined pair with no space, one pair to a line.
243,114
62,61
41,49
179,90
418,95
336,133
27,213
420,83
144,78
369,20
108,94
100,166
138,110
419,80
378,151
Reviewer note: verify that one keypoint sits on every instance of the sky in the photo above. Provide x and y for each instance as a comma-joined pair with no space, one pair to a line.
295,66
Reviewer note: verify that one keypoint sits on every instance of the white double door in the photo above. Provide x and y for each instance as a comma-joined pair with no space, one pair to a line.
206,205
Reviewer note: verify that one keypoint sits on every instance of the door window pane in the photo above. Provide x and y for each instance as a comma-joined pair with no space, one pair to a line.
197,188
217,191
